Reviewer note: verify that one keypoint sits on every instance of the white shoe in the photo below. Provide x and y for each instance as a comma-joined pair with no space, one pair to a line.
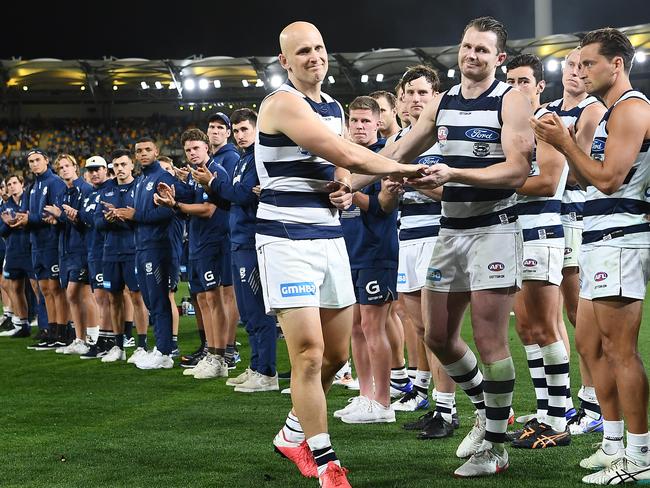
286,391
9,333
115,354
353,404
372,412
155,360
410,403
623,470
523,419
473,441
259,382
346,369
137,354
241,379
484,462
214,367
130,342
353,385
200,365
75,347
600,459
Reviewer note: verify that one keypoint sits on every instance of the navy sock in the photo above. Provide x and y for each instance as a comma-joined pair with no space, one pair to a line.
230,351
142,341
202,336
128,328
175,342
119,340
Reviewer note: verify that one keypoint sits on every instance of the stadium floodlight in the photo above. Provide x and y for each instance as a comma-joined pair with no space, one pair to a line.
259,83
189,84
331,79
217,83
379,78
172,85
25,88
144,85
82,87
552,65
203,84
364,78
114,87
451,72
181,108
640,57
203,109
158,85
276,81
244,83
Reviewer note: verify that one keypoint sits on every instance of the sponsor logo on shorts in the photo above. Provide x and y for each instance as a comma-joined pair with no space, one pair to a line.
106,285
434,274
496,266
481,134
305,288
372,287
600,276
567,251
530,263
401,278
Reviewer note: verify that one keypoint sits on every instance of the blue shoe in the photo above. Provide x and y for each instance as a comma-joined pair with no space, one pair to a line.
175,353
411,402
569,414
397,390
581,423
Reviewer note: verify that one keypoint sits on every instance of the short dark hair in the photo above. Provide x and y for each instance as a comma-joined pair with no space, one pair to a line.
365,103
18,176
194,135
612,43
242,114
530,60
146,139
421,71
390,98
490,24
119,152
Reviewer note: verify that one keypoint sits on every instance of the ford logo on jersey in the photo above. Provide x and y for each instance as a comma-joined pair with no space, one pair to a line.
430,160
481,135
306,288
496,266
530,263
600,276
598,145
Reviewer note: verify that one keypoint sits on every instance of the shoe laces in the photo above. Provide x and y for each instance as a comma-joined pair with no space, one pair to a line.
577,418
336,473
411,395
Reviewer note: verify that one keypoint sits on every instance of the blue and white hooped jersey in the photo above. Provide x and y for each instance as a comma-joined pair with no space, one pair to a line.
573,198
469,136
619,219
539,217
419,214
294,201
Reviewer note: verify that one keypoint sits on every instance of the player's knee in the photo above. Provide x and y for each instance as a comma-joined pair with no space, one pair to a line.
436,340
309,361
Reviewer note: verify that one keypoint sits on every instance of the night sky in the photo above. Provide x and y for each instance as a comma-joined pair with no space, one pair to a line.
92,30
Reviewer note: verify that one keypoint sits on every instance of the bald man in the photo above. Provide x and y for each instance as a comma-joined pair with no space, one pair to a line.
303,262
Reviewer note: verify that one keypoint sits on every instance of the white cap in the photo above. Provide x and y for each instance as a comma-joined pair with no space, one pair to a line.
95,162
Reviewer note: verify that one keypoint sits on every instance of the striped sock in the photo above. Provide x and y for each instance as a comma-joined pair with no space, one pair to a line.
421,385
321,448
556,368
411,372
589,402
399,378
445,404
498,386
536,369
292,429
568,402
466,374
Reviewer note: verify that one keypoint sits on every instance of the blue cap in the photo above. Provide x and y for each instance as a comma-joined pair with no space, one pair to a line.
223,117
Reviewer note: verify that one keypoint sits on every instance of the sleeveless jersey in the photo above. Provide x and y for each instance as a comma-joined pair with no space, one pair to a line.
469,136
539,217
573,197
619,219
294,201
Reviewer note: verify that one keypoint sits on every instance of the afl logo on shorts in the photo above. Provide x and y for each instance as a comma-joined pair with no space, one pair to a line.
600,276
530,263
496,266
443,133
434,274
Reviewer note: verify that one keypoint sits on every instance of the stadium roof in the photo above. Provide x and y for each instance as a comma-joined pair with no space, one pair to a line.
244,79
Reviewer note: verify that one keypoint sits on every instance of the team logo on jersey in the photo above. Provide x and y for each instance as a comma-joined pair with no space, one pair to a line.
567,251
530,263
149,186
430,160
443,133
434,274
45,191
372,287
481,149
109,194
600,276
305,288
148,267
242,273
496,266
480,134
401,278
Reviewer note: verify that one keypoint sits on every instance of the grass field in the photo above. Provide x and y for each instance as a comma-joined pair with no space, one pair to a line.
67,423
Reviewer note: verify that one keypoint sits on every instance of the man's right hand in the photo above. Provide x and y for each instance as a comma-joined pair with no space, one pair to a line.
340,194
182,173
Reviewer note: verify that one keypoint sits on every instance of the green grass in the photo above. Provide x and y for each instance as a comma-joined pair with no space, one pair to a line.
67,423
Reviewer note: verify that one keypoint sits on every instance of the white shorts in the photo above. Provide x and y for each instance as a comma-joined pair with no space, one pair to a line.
414,257
572,243
542,263
462,263
306,273
607,271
